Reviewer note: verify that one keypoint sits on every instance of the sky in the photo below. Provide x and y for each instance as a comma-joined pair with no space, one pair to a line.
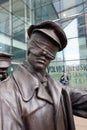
71,52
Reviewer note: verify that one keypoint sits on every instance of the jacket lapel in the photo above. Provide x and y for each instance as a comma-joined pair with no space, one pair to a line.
43,94
26,82
24,79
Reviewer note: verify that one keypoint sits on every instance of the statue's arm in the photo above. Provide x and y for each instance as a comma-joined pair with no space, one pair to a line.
79,102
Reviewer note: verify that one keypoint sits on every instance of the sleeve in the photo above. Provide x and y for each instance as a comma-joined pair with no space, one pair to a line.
8,118
79,102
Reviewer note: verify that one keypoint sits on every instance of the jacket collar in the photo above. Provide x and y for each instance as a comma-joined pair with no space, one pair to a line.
43,94
28,83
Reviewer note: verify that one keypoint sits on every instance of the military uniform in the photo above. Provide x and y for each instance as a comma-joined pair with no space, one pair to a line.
27,104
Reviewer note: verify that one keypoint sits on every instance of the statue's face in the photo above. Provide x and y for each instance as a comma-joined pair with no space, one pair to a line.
39,59
42,51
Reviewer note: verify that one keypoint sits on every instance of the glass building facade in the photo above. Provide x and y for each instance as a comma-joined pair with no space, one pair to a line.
17,15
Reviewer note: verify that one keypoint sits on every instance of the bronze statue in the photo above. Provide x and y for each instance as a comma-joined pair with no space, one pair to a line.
5,62
31,99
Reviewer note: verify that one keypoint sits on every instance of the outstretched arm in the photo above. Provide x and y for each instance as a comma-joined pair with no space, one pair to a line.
79,102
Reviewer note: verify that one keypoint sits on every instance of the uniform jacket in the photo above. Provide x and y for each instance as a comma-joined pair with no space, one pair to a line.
19,109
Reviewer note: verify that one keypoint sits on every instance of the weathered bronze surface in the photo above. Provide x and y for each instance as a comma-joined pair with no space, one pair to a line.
31,99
